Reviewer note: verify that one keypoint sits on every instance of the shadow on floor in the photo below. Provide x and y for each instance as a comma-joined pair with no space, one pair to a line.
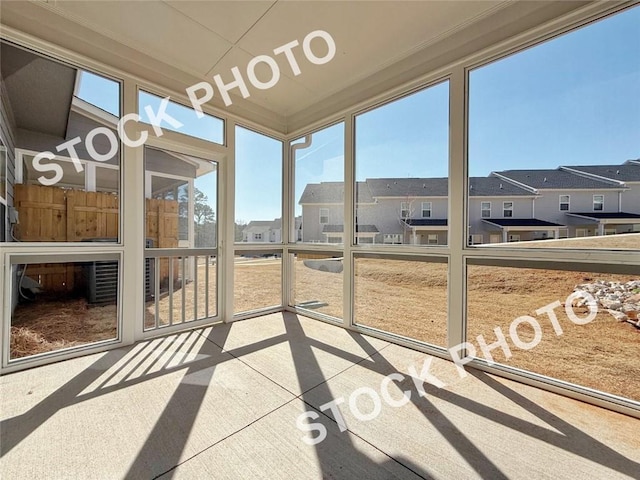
198,354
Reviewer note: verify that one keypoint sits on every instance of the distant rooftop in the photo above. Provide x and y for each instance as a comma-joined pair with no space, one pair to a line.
555,179
628,172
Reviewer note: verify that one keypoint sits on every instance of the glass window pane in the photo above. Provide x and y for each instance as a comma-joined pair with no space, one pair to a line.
319,186
408,298
181,200
70,113
258,188
554,131
317,283
99,91
58,306
575,342
402,158
257,280
208,128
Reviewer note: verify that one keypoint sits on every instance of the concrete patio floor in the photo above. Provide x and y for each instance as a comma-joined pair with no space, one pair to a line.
223,402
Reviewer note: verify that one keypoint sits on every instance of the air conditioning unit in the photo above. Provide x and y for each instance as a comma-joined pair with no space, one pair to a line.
102,276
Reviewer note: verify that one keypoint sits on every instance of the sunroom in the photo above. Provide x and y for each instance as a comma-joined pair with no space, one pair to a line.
266,239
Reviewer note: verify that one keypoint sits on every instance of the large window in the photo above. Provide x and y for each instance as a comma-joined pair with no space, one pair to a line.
181,200
407,298
258,199
553,128
317,283
319,186
404,198
57,305
257,280
182,119
64,178
558,323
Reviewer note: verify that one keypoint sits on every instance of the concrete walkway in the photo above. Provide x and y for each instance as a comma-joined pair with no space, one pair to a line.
225,402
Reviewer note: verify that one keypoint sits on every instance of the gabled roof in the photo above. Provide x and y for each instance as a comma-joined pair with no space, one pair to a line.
555,179
627,172
408,187
494,187
256,225
333,192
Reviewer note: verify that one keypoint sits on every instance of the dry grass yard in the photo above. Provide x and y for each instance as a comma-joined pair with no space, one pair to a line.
408,298
49,325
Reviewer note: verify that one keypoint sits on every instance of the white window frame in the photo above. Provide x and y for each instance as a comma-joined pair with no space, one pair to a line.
601,203
4,166
431,237
428,208
505,209
483,209
405,210
567,203
257,236
326,216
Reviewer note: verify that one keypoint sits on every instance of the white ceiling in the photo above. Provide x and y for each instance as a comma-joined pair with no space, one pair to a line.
178,43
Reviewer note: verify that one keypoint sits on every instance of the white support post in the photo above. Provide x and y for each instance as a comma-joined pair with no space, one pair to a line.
348,278
457,220
227,207
132,225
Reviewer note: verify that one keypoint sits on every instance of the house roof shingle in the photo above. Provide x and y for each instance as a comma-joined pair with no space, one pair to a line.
408,187
333,192
628,172
555,179
493,187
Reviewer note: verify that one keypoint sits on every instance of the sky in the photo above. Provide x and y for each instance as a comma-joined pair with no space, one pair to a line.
574,100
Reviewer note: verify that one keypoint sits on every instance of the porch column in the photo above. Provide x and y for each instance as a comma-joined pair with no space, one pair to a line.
414,237
600,228
505,235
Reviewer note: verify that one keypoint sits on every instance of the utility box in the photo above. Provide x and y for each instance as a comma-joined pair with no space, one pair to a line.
102,276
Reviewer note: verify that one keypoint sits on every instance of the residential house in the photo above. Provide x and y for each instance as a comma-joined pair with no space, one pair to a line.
263,231
507,206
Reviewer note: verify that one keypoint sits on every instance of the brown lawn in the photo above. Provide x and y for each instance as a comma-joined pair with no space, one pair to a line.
407,298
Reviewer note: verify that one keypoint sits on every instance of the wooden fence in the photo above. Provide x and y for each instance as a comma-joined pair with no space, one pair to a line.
53,214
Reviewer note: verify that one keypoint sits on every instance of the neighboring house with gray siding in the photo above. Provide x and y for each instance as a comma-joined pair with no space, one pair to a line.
512,205
587,204
263,231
